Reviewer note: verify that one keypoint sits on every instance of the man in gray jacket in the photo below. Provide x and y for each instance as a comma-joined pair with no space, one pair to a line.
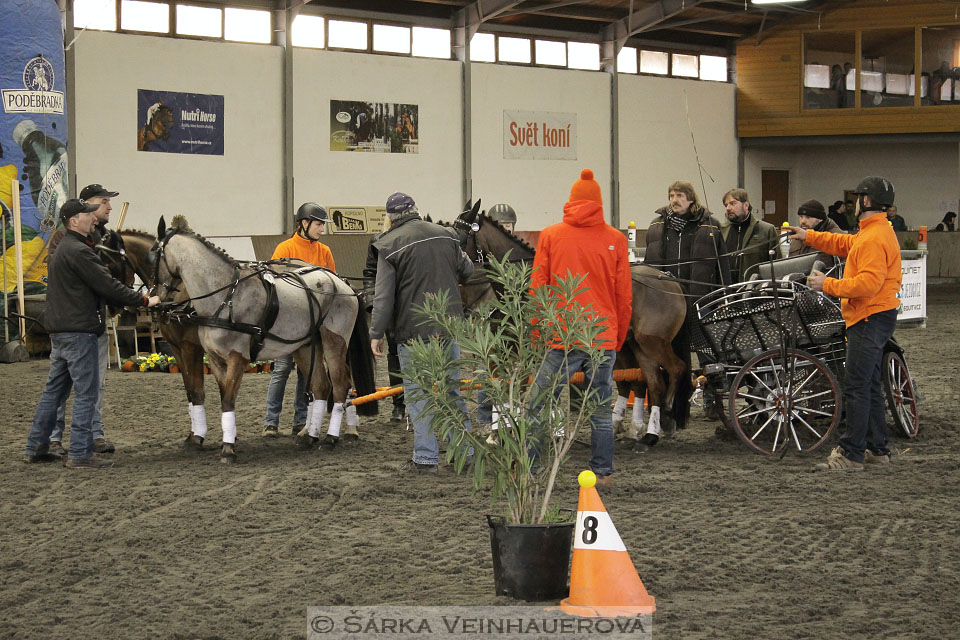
79,287
415,259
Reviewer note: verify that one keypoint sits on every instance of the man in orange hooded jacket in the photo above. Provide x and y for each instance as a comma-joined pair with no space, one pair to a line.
868,293
584,244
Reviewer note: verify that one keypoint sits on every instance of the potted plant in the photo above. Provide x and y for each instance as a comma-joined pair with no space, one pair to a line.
536,427
172,365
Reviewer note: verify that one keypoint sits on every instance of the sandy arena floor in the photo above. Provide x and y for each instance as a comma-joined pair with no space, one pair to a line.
173,545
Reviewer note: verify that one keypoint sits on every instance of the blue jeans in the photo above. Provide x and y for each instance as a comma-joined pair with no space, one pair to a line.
103,354
278,383
601,437
73,363
863,386
426,449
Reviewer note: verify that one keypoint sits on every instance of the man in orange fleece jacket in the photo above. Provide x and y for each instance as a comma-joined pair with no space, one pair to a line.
868,293
304,245
584,244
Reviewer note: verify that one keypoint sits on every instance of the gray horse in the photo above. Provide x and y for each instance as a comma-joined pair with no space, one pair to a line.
240,319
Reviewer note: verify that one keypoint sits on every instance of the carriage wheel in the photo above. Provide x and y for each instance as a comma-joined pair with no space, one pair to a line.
772,406
901,394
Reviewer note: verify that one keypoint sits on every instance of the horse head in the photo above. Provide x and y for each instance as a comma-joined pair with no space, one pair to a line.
466,223
113,253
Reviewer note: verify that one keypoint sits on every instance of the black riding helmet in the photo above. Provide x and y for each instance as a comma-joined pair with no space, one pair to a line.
312,211
502,213
879,189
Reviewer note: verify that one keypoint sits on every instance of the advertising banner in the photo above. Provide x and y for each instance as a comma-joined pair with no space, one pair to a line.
377,127
357,219
539,135
173,122
913,288
33,129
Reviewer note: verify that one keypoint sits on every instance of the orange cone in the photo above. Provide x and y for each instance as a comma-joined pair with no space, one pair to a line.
603,580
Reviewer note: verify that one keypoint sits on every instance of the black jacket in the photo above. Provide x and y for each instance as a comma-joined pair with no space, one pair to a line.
415,258
696,253
754,239
78,288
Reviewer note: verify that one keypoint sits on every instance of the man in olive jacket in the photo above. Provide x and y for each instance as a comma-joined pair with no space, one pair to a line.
747,239
79,288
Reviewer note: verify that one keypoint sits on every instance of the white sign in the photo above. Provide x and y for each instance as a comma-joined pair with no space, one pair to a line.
913,290
539,135
595,530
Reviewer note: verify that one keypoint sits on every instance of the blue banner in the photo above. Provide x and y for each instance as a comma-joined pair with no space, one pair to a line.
33,125
173,122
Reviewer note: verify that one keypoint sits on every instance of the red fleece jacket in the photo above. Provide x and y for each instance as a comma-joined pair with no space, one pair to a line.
584,244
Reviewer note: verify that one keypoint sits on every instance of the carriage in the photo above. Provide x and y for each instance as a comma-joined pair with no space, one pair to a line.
773,351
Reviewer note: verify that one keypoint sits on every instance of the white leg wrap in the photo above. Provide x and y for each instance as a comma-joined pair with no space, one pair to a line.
317,411
306,422
620,406
495,412
352,419
654,425
228,422
336,417
638,413
198,420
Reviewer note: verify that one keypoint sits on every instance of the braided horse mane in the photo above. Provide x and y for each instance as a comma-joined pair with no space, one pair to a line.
179,222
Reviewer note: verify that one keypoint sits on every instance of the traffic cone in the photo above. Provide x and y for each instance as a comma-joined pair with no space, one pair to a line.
603,580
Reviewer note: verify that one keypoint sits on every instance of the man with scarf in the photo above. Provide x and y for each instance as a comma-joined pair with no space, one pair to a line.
685,241
748,240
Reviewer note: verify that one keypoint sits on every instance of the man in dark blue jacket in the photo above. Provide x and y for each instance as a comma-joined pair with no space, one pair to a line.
79,288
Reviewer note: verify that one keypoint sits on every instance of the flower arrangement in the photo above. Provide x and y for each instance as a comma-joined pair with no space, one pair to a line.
152,362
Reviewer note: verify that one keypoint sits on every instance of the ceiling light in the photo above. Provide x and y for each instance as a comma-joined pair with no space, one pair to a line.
775,1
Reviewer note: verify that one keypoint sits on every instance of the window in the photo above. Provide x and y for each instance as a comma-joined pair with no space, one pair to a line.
513,50
248,25
828,74
95,14
391,39
551,52
307,31
583,55
431,43
940,66
199,21
137,15
713,68
627,60
482,48
654,62
685,65
347,35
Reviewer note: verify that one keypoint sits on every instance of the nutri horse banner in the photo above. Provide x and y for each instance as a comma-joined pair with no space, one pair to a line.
539,135
33,127
173,122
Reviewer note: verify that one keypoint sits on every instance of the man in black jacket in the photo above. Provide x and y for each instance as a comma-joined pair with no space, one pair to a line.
79,286
685,240
100,196
415,259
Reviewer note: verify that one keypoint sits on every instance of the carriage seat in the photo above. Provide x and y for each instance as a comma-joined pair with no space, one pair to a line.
786,266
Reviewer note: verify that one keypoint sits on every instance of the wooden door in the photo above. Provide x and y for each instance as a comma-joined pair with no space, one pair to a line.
775,191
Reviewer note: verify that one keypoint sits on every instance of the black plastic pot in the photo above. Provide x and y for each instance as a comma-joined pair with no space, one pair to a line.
531,561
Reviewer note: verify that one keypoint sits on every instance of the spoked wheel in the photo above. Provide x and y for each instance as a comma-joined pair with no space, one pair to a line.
775,404
901,394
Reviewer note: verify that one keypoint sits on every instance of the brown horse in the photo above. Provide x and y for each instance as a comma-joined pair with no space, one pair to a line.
158,128
659,310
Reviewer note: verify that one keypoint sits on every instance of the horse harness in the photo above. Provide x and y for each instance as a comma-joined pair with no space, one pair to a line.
184,313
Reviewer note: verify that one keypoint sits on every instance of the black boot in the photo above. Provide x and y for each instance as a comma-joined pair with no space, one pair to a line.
397,415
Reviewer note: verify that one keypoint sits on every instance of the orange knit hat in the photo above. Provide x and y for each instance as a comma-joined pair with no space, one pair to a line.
586,188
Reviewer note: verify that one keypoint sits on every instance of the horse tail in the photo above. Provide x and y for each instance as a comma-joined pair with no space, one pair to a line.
361,363
681,400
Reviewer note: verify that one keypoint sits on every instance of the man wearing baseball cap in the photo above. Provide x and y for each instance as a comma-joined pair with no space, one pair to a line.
94,194
79,287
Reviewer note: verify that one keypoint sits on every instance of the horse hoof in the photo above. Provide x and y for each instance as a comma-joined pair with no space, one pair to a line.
329,442
228,454
270,431
351,437
646,443
306,441
193,443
